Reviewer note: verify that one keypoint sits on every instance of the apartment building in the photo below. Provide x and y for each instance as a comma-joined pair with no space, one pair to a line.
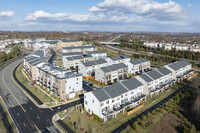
118,59
179,69
30,65
138,66
112,73
88,68
97,54
39,54
60,82
82,48
108,101
73,61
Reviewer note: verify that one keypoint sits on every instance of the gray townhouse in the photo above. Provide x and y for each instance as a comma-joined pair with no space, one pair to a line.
138,66
112,73
88,68
118,59
82,48
73,61
108,101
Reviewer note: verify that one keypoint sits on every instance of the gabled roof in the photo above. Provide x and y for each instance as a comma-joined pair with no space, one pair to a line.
145,78
105,69
164,70
115,90
154,74
138,61
89,63
100,61
96,52
116,58
100,94
112,68
131,84
72,54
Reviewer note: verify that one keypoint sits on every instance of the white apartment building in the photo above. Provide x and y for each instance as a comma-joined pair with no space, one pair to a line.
82,48
139,65
88,68
73,61
107,102
112,73
118,59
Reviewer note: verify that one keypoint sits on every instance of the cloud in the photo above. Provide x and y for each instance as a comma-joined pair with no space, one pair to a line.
190,5
6,15
43,16
146,8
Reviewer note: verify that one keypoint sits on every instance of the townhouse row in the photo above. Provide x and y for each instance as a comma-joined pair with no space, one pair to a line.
78,48
71,60
60,82
112,69
108,101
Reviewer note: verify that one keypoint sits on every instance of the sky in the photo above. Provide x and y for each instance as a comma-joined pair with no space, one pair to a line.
100,15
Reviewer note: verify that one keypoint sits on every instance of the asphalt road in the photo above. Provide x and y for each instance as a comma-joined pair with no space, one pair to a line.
27,116
52,56
128,51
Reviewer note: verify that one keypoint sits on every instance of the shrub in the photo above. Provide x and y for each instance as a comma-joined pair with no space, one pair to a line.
136,126
149,114
144,117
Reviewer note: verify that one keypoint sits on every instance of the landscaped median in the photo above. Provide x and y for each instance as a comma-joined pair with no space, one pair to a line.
92,123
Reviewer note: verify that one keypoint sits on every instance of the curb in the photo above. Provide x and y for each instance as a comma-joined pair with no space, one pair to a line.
9,114
57,125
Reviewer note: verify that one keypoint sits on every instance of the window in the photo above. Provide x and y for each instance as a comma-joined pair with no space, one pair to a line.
70,87
126,95
107,102
118,98
66,81
113,100
102,104
93,101
76,82
85,102
121,96
76,78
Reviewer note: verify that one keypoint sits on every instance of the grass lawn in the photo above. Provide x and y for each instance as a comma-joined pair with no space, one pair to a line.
107,127
59,63
37,92
2,127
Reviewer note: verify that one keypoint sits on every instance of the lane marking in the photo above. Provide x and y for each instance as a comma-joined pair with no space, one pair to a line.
31,108
24,124
37,128
18,114
38,117
10,90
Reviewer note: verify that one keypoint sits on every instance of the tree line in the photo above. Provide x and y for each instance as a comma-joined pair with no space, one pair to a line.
14,53
138,46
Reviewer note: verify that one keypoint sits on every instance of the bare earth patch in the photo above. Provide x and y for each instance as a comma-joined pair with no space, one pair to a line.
169,124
